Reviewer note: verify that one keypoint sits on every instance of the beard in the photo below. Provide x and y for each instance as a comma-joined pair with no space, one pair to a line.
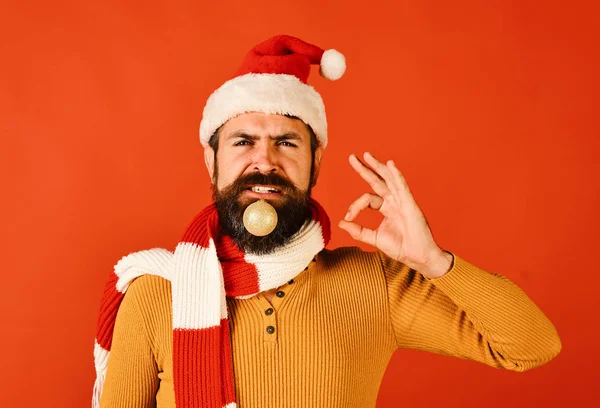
292,212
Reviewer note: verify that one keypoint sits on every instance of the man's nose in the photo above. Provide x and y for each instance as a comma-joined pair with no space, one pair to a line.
265,159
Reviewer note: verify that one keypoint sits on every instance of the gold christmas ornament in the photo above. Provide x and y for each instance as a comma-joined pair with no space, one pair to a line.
260,218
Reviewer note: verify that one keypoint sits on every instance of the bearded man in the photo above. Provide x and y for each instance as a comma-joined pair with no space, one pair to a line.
252,310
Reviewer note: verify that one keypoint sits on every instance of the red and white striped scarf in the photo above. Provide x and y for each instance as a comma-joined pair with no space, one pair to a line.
205,268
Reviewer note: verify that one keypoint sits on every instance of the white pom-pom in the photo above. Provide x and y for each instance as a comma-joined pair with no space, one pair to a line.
333,65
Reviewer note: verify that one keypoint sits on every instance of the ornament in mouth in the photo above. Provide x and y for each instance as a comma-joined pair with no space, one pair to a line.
260,218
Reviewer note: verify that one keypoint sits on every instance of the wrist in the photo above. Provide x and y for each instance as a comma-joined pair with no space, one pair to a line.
439,265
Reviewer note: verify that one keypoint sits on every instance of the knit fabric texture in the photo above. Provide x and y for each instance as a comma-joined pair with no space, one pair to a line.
328,335
205,268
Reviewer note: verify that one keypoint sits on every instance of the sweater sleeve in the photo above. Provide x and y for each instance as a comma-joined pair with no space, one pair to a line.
468,313
132,373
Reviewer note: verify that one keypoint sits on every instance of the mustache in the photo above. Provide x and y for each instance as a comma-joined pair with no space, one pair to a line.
244,182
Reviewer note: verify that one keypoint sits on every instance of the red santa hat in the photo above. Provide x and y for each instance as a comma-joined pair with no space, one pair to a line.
272,79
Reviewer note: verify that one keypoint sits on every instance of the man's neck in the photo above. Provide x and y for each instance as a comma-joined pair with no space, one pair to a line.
269,294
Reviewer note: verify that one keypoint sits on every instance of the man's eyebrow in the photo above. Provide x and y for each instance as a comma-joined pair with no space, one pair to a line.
243,135
287,136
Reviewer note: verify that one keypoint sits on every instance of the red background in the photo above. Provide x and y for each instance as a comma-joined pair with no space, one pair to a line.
490,109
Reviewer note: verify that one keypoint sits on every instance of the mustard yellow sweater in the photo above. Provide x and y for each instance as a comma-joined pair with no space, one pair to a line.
327,338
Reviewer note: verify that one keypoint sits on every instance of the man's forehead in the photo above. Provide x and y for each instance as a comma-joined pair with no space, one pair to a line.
264,125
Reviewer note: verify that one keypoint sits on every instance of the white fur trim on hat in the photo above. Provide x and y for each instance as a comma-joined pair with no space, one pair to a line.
268,93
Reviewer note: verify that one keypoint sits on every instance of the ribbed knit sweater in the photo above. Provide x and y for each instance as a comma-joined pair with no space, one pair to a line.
327,337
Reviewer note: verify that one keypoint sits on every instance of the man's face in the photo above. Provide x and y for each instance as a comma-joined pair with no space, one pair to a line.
268,157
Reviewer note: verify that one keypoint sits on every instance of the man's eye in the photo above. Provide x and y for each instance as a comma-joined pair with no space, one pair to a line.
240,143
288,144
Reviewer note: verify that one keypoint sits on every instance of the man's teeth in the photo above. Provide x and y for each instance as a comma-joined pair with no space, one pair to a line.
259,189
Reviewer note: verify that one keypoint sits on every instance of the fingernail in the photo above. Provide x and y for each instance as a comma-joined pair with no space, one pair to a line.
347,217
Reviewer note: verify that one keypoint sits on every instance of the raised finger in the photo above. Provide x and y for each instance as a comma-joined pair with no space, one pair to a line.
399,180
381,169
375,181
367,200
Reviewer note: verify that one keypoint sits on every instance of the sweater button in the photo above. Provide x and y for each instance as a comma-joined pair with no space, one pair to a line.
280,294
269,311
270,329
290,282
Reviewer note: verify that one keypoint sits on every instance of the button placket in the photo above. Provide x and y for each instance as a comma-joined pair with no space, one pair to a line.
284,292
269,327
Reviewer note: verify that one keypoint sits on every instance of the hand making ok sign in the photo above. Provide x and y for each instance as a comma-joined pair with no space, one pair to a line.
404,233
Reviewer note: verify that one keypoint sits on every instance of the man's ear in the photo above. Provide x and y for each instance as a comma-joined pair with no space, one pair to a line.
317,166
209,160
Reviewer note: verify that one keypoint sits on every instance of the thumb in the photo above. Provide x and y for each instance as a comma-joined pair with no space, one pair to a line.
358,232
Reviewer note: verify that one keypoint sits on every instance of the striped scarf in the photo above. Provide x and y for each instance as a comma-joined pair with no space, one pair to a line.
204,269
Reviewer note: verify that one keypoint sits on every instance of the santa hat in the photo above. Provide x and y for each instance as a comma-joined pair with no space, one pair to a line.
272,79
